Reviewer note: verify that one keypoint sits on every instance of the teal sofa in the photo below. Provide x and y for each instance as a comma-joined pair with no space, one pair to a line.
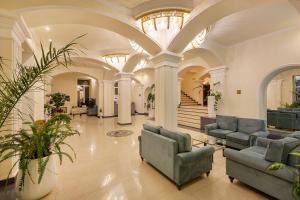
250,165
173,155
239,133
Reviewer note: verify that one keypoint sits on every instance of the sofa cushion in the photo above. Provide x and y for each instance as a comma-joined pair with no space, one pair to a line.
237,137
151,127
219,133
184,140
278,150
250,125
227,122
257,161
289,145
274,151
261,151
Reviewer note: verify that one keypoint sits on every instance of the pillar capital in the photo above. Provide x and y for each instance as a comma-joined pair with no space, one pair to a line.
166,59
108,81
13,26
124,75
217,71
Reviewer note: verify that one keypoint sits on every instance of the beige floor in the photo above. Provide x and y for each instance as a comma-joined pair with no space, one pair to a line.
110,168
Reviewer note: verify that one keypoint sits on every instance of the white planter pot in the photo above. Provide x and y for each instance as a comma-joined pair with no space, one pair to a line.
32,190
151,113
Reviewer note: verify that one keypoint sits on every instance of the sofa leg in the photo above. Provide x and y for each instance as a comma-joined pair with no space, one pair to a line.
142,158
178,187
231,179
207,173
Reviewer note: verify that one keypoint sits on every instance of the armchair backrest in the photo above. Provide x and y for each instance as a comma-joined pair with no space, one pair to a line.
246,125
160,151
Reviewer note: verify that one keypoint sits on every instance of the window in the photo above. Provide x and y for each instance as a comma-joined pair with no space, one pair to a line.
297,88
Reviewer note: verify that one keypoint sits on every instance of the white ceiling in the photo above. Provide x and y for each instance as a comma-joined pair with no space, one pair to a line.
97,41
254,22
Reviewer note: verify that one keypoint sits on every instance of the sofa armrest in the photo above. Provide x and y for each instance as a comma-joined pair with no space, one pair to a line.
210,127
140,144
259,134
195,155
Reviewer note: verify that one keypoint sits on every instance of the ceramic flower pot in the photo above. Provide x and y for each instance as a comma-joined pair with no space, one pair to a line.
32,190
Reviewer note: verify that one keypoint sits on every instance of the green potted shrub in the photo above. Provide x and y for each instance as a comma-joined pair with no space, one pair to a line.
91,107
151,102
58,100
35,147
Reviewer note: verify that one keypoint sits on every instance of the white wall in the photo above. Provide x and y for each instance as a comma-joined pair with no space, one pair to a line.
249,63
67,83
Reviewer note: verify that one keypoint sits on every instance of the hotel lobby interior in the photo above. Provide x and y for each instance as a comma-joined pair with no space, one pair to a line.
149,99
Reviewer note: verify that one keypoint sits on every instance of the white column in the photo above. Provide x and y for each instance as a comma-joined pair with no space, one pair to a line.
217,81
166,89
179,90
217,78
100,96
108,98
124,102
140,98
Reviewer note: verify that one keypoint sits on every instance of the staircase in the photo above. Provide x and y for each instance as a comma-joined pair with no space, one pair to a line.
189,112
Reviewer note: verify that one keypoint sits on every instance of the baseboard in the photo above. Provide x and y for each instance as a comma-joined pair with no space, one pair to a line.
7,181
109,116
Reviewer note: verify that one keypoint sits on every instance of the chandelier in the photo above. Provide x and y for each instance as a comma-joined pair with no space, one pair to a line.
136,47
117,60
140,65
200,38
162,21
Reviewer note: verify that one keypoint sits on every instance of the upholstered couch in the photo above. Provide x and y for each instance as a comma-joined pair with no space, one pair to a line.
173,155
239,133
284,119
250,166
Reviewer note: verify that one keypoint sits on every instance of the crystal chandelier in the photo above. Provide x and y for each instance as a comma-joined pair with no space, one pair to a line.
166,21
140,65
117,60
198,40
137,48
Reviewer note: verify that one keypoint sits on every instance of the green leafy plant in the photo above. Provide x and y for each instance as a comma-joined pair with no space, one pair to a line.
151,98
91,102
296,185
58,99
39,141
42,140
25,78
218,98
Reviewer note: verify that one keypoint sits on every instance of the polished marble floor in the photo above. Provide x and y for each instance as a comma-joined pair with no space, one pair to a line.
110,168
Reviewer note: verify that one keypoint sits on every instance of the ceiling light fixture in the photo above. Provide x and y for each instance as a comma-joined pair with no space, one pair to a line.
47,28
162,20
117,60
135,46
50,40
200,38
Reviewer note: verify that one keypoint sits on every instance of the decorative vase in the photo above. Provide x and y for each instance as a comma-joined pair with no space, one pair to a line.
32,190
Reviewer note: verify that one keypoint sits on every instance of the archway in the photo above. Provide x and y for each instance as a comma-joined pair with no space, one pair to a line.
81,87
262,92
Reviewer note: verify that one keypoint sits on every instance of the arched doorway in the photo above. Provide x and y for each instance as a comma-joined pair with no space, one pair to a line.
277,94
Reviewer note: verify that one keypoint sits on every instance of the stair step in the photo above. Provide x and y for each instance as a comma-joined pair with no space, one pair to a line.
189,124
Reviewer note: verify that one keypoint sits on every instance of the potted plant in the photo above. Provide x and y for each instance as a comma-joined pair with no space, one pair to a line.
151,102
213,100
36,148
58,100
92,107
14,87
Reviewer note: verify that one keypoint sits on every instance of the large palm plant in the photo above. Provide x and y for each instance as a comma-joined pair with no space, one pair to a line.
41,140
